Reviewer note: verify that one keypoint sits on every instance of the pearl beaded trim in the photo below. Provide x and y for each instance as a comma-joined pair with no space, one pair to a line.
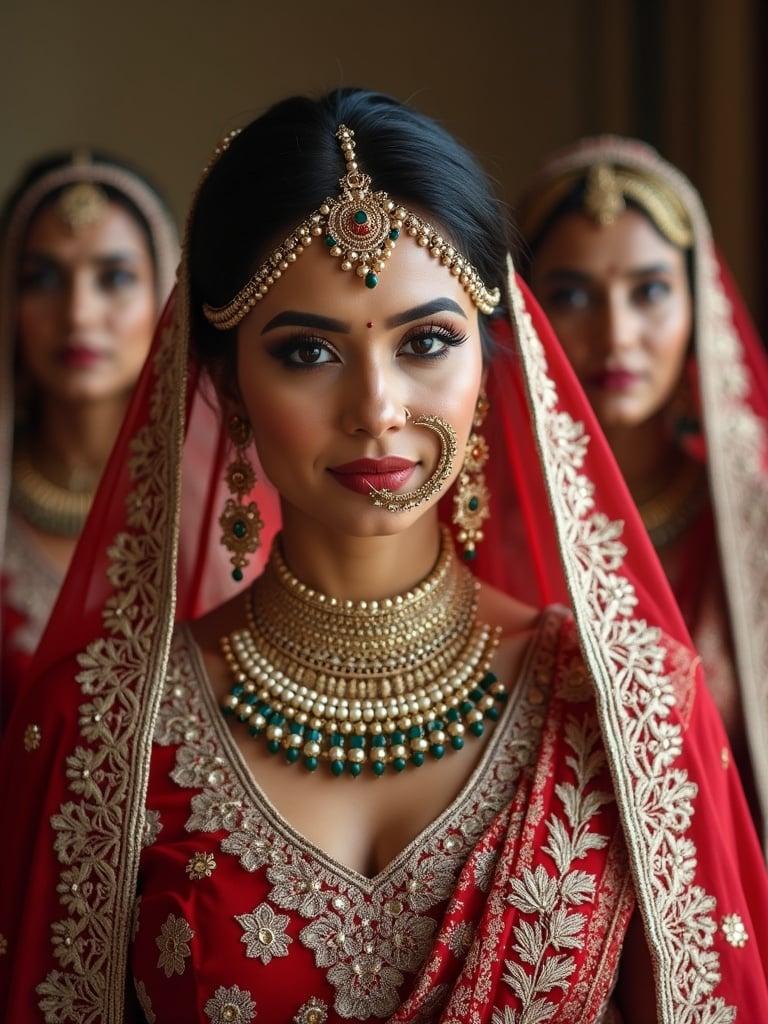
361,228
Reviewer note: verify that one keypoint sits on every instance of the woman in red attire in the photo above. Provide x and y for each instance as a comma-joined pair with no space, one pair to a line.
623,264
374,784
89,252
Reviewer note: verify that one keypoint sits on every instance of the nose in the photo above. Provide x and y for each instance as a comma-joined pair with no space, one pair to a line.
372,404
83,302
619,327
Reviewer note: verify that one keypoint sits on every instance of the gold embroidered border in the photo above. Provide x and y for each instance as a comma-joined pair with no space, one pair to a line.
98,832
634,694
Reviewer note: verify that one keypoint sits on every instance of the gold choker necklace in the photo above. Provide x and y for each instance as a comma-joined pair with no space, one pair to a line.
671,510
363,682
47,506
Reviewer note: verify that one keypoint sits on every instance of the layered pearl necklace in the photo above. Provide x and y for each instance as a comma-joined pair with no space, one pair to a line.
354,683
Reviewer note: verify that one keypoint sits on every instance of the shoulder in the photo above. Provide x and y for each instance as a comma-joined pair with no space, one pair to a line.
508,614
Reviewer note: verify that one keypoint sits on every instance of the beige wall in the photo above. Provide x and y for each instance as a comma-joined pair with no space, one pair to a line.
159,81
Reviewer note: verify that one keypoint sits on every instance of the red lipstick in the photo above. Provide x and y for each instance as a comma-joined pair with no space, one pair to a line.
363,475
80,357
614,380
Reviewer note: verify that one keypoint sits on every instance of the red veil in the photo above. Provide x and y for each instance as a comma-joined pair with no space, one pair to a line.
78,745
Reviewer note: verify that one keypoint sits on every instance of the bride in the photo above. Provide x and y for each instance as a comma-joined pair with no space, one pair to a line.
373,783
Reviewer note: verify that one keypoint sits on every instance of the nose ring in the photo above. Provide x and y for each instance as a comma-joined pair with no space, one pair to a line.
397,502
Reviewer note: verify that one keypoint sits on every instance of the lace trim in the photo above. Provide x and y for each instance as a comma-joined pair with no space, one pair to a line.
635,695
366,933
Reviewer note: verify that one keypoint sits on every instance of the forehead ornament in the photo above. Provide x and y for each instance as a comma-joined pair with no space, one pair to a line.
360,228
603,197
81,205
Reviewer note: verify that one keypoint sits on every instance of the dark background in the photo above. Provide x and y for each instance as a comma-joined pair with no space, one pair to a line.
159,81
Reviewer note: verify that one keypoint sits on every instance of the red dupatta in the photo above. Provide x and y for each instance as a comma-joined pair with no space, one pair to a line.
78,746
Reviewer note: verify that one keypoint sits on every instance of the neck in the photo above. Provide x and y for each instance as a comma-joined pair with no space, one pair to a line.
643,452
359,568
77,437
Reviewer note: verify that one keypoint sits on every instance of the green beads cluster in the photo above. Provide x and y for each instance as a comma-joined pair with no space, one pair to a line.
301,743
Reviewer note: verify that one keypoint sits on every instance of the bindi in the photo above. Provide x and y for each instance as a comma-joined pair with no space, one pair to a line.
369,324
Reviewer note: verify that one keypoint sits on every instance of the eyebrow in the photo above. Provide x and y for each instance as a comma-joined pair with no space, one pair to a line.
568,274
299,318
103,259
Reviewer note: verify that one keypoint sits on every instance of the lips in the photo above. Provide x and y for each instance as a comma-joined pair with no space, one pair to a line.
363,475
614,380
80,357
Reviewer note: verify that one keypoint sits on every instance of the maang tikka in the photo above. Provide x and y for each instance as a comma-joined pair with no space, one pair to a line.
471,500
241,523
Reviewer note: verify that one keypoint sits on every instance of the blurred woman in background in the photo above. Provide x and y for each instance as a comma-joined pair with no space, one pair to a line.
622,260
88,255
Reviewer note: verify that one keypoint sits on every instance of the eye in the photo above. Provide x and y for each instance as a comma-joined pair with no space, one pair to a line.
303,353
652,292
116,278
44,278
568,299
431,342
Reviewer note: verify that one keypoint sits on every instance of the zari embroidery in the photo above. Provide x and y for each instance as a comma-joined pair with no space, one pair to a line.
734,931
173,943
144,1001
96,833
31,587
366,934
152,828
264,933
549,899
314,1011
230,1006
634,694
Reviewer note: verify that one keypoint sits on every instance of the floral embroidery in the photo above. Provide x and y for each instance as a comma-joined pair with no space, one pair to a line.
95,832
201,865
365,934
734,931
314,1011
32,737
32,586
173,943
549,898
3,945
627,662
460,939
152,828
264,933
136,918
144,1001
230,1006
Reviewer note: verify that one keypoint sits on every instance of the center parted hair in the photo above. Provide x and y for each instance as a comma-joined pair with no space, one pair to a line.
285,163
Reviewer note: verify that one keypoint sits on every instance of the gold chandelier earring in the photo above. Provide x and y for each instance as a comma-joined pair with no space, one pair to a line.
471,500
240,522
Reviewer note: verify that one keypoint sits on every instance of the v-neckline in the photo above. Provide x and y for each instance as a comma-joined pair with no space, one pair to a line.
291,835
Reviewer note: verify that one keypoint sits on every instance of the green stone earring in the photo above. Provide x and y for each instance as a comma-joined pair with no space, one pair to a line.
240,521
471,500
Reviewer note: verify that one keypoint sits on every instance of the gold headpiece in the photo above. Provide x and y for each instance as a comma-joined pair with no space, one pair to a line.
606,190
81,205
361,228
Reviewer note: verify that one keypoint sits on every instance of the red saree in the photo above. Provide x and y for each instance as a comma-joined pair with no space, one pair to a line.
607,786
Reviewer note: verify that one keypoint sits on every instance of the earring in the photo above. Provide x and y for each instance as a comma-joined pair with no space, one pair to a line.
241,524
471,500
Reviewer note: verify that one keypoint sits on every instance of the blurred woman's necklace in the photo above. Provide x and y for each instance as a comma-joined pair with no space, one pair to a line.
667,513
354,683
49,507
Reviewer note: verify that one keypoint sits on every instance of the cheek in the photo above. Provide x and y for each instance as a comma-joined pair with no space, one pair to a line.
573,333
669,338
131,323
38,326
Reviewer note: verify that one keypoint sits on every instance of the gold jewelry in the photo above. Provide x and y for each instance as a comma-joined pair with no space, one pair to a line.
240,522
81,205
607,187
379,682
668,513
51,508
361,228
471,500
394,501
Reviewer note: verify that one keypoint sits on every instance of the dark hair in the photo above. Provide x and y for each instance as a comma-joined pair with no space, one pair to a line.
37,170
288,161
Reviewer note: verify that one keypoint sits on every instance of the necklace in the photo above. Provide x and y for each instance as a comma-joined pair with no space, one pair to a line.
49,507
668,512
383,683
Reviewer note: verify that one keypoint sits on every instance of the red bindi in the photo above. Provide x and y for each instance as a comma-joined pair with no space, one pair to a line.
369,324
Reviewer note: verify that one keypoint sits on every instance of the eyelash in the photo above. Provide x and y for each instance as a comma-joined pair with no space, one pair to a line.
447,335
